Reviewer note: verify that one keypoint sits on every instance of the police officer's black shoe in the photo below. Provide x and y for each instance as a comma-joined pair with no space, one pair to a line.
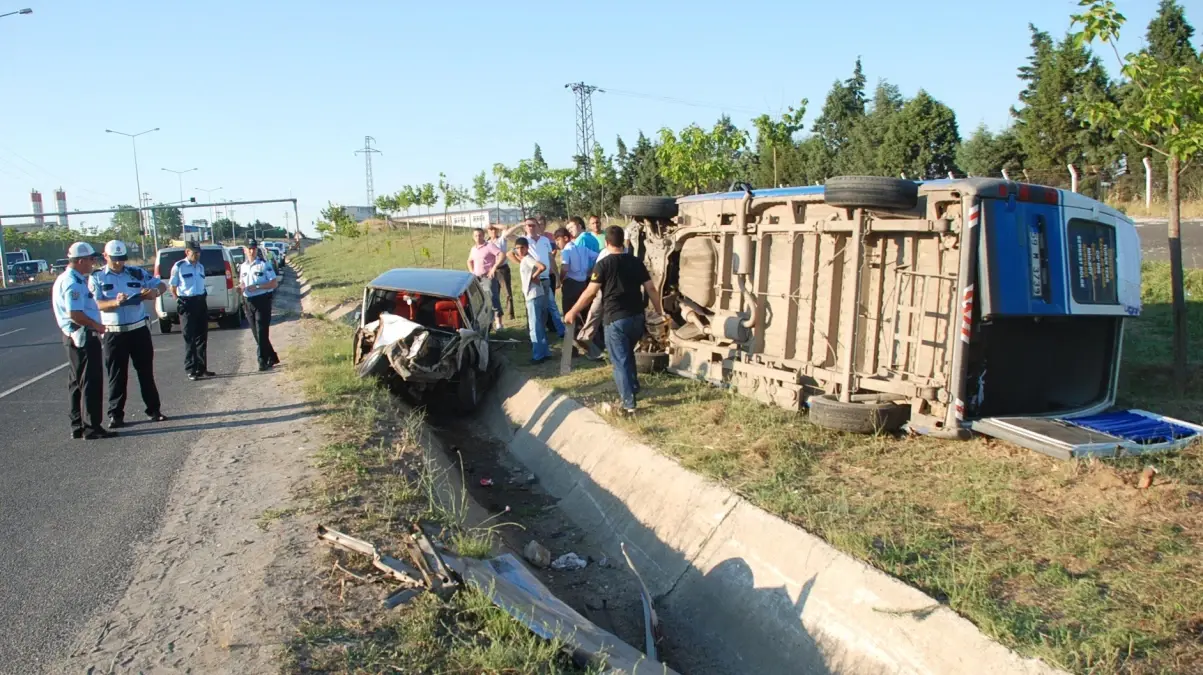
207,373
193,376
77,433
116,422
97,434
264,368
157,417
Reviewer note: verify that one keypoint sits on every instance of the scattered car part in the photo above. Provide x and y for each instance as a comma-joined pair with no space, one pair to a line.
651,622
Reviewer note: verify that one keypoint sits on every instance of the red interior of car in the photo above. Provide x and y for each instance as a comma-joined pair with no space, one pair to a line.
407,310
446,314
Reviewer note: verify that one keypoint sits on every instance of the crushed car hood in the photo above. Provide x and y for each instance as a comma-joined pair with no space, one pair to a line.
414,352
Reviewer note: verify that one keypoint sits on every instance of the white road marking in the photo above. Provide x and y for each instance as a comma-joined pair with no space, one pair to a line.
30,381
11,332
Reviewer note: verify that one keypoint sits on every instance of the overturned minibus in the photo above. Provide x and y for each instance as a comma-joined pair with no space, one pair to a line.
948,306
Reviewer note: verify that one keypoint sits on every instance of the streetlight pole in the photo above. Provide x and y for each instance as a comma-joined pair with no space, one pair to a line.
180,177
212,209
4,258
133,138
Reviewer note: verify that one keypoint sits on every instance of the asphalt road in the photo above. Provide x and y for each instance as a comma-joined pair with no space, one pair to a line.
72,511
1153,237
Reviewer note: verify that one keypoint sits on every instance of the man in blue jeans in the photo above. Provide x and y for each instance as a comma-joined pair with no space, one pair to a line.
622,279
529,269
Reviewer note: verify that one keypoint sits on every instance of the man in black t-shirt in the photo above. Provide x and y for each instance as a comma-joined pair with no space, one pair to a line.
622,280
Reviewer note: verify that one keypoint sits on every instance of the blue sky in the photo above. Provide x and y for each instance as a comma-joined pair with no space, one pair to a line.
270,98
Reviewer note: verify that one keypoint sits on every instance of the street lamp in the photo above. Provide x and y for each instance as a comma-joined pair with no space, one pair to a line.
180,176
212,209
19,11
138,180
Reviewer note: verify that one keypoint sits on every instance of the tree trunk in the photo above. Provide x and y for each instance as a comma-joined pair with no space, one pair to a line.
443,263
1176,278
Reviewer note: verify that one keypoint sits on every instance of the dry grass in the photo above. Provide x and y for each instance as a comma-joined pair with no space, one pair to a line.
374,482
1158,209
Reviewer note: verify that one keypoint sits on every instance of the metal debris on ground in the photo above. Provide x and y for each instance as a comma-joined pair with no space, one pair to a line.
515,590
425,570
651,622
569,561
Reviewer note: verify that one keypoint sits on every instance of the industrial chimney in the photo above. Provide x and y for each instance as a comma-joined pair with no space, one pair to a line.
61,198
38,219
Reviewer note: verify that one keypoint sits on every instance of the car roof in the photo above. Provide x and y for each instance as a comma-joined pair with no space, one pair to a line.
444,283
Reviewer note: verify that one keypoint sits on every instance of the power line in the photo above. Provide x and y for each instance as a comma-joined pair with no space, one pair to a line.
681,101
367,151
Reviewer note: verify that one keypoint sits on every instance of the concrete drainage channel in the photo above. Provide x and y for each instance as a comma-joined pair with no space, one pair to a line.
737,589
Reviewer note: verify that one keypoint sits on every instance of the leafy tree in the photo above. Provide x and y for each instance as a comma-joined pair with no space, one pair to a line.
168,221
427,196
482,190
1163,112
452,196
125,224
514,184
1057,76
404,199
921,141
987,154
386,204
550,195
224,227
598,190
336,221
698,160
774,141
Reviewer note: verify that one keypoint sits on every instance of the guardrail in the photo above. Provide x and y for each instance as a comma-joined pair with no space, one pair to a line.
15,295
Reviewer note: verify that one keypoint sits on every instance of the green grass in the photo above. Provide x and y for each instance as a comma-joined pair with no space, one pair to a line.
374,482
1066,561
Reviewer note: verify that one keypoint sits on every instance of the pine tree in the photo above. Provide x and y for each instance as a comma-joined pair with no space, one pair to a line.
863,154
988,154
921,140
842,111
1050,136
537,158
643,172
1169,35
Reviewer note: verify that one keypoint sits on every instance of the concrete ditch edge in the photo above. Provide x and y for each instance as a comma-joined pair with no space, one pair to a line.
761,594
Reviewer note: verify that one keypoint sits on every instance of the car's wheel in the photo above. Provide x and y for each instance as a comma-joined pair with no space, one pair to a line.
229,321
871,192
877,415
639,206
164,326
467,389
374,363
650,362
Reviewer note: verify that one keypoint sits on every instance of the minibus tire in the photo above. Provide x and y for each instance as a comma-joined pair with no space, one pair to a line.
871,192
651,362
639,206
858,417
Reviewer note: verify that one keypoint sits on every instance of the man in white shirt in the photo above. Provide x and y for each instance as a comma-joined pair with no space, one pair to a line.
530,269
542,248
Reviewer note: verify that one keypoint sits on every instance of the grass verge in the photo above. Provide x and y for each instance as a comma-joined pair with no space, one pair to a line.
1067,561
374,481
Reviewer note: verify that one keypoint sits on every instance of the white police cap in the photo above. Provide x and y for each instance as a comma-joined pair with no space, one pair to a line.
115,249
80,249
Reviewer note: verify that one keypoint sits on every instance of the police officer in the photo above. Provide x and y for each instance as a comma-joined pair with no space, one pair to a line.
188,287
78,317
258,281
121,291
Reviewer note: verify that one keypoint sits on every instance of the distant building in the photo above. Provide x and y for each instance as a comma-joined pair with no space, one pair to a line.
198,230
27,227
468,219
360,213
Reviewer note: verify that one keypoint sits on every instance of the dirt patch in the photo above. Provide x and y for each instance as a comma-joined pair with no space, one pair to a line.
219,586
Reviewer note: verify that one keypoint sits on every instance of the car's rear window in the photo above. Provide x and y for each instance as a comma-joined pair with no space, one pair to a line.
211,258
25,267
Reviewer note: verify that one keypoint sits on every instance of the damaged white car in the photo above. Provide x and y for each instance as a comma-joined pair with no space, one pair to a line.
427,332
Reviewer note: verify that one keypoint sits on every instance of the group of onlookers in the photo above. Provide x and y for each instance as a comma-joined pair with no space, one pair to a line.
601,286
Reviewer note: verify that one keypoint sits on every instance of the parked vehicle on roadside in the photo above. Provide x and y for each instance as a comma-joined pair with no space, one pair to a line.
951,305
237,256
59,266
427,332
280,249
13,257
27,271
222,299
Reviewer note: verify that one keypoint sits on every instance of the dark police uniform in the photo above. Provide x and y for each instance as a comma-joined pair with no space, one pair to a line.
253,272
127,338
84,377
189,281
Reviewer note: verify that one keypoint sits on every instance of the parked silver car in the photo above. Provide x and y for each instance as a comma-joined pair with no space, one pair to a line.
225,306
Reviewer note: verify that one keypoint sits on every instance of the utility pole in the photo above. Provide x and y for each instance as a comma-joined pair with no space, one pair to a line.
368,151
154,226
584,121
286,217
